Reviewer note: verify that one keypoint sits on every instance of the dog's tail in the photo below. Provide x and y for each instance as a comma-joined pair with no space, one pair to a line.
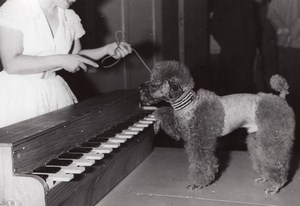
279,84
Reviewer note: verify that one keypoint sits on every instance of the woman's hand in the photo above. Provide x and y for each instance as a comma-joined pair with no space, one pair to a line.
118,51
73,62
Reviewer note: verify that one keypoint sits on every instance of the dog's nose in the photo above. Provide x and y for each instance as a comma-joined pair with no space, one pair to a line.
144,86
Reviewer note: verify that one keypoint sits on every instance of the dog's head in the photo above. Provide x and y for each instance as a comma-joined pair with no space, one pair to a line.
168,80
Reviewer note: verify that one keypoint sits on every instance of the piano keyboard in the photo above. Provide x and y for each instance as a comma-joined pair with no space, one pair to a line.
75,160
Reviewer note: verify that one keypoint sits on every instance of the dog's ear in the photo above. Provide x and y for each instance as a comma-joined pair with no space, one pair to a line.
175,90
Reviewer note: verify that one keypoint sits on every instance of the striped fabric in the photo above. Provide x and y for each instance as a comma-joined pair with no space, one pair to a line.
183,101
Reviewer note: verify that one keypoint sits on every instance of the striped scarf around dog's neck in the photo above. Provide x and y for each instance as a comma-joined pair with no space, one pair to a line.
183,100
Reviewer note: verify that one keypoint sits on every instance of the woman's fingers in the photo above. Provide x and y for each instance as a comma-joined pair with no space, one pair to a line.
82,66
118,54
122,50
82,63
88,62
125,47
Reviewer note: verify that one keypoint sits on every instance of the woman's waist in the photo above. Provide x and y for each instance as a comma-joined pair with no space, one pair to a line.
37,76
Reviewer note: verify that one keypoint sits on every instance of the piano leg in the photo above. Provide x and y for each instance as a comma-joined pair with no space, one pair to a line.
18,190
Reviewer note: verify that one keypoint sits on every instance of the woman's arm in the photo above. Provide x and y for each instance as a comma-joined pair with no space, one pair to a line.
113,49
14,62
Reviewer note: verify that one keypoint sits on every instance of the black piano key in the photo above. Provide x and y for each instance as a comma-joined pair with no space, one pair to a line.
80,150
90,144
58,162
98,139
134,121
108,134
146,112
135,118
48,170
120,127
70,156
112,132
139,116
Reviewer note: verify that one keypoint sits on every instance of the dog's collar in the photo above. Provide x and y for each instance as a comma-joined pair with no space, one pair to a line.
183,100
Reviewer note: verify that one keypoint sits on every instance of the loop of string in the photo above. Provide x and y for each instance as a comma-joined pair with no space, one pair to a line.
118,41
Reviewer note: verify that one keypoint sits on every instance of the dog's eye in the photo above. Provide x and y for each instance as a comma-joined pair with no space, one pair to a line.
175,87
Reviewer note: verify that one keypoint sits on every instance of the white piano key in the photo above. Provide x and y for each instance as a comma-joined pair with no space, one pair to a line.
149,108
140,125
125,136
145,122
117,140
110,144
83,162
102,149
134,128
149,119
72,169
151,116
93,156
60,177
128,131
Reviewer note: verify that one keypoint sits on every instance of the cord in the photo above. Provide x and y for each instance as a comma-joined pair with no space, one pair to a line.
118,41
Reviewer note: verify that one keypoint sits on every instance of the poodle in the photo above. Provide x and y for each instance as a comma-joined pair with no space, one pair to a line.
198,118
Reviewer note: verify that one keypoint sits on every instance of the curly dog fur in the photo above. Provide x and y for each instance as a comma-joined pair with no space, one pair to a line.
200,117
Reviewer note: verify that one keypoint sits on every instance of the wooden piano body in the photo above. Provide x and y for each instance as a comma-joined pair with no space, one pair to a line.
29,144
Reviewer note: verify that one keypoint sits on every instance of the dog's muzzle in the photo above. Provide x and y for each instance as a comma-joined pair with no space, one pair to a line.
145,95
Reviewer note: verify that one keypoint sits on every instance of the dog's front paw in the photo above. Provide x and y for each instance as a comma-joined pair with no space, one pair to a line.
272,190
194,187
156,126
157,123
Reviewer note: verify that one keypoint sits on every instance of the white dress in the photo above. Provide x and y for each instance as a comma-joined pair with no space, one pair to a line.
26,96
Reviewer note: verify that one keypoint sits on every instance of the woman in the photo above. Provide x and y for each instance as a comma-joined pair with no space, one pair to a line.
37,38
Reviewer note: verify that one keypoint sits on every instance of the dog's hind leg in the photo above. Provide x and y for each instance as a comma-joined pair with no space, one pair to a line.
270,160
274,138
255,151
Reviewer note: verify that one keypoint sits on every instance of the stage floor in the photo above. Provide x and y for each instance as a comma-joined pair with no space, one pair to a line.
161,180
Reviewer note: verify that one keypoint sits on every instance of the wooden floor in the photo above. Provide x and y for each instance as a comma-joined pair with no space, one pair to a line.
161,180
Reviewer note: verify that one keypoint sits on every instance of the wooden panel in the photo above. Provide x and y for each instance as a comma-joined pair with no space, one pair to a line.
140,32
170,30
112,15
101,19
195,35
